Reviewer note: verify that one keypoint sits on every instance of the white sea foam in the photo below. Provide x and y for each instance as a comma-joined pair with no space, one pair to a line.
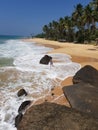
27,73
17,48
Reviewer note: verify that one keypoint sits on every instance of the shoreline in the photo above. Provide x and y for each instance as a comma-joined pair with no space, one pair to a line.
80,53
83,54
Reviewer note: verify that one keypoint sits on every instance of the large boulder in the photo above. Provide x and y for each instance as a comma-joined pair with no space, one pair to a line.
83,97
83,94
51,116
45,60
87,74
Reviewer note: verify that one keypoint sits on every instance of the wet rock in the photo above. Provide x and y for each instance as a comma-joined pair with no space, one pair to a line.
45,60
18,118
51,116
21,92
86,74
23,106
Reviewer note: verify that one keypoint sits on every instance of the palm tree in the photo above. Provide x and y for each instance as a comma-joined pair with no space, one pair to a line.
46,30
94,5
61,29
77,18
68,25
55,30
88,16
80,26
78,12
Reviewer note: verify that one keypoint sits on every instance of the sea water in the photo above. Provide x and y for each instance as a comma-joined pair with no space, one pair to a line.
20,68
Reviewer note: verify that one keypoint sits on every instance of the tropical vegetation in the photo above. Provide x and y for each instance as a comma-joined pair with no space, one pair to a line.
79,27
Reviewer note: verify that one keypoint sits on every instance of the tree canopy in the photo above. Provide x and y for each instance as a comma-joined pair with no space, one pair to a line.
79,27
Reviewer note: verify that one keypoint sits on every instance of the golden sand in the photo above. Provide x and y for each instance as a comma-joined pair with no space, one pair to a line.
80,53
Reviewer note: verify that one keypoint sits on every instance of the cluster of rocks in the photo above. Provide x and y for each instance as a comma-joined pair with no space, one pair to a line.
22,107
83,114
44,60
83,94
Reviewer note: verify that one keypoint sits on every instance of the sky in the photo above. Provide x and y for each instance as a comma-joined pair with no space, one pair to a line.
26,17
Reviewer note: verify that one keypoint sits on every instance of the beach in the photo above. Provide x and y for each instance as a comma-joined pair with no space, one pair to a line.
83,54
20,69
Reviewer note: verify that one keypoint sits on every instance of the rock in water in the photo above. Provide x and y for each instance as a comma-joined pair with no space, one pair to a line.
45,60
21,92
23,106
18,118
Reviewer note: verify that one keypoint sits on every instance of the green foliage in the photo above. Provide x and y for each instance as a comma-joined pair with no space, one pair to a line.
79,27
96,34
41,35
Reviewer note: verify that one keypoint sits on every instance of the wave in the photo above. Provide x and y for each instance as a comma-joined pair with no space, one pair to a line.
27,73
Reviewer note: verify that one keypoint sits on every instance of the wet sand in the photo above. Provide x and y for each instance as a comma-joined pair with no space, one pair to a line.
80,53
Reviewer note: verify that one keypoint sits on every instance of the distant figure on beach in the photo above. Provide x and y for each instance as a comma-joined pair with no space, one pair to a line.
51,62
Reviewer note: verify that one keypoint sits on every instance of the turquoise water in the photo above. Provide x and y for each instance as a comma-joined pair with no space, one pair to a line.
3,38
7,61
7,37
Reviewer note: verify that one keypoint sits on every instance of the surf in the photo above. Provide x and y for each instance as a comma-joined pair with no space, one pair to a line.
26,72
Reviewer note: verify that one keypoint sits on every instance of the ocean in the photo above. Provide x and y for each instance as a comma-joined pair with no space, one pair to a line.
20,68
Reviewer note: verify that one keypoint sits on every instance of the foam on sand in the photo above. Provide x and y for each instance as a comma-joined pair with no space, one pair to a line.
27,73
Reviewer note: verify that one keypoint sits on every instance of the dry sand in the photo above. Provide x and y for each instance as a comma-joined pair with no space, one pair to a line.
80,53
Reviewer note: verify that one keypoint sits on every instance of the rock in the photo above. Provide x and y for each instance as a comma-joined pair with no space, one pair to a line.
23,106
21,92
45,60
83,97
87,74
18,118
51,116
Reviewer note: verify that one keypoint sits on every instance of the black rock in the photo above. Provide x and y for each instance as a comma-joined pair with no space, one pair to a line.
87,74
23,106
18,118
45,60
21,92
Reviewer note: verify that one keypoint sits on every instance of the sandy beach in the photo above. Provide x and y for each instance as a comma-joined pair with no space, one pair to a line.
80,53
